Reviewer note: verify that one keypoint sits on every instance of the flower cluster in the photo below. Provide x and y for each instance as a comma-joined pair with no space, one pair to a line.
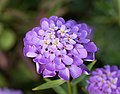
104,81
9,91
59,47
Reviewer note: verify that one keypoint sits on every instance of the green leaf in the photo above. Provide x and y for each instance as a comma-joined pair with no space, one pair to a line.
74,87
79,79
58,89
3,82
49,84
7,39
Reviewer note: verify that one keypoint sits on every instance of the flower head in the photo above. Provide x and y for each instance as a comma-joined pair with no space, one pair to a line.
59,47
9,91
104,81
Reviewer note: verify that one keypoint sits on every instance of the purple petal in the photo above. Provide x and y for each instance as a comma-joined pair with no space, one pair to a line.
30,51
30,35
61,66
59,23
41,32
74,52
31,54
78,61
39,67
74,29
54,18
90,57
79,46
52,57
57,60
45,25
84,40
64,74
90,47
67,60
37,59
83,34
63,27
82,53
47,73
70,23
72,41
73,36
85,69
113,68
69,47
44,61
75,71
50,66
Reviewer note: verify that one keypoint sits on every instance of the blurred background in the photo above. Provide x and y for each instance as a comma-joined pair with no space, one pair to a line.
19,16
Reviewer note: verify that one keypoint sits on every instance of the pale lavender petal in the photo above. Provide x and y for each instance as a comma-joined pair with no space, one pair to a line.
78,61
57,60
39,67
59,23
64,74
62,27
50,66
74,52
84,40
83,34
79,46
41,32
82,53
52,57
75,71
54,18
31,54
73,36
45,25
72,41
30,35
30,51
67,60
46,54
44,60
61,66
90,57
74,29
69,47
63,51
90,47
37,59
47,73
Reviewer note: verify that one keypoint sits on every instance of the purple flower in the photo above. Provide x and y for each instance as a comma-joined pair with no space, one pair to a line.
9,91
104,81
59,47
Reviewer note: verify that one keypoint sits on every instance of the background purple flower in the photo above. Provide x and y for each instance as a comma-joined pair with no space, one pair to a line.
104,81
9,91
59,47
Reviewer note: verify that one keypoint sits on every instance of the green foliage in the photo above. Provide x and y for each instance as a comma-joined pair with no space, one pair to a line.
7,39
2,81
58,89
49,84
19,16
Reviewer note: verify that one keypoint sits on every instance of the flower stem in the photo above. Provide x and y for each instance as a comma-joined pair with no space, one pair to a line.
69,87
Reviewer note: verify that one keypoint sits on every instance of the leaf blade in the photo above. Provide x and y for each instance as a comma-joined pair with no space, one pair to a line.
58,89
49,84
